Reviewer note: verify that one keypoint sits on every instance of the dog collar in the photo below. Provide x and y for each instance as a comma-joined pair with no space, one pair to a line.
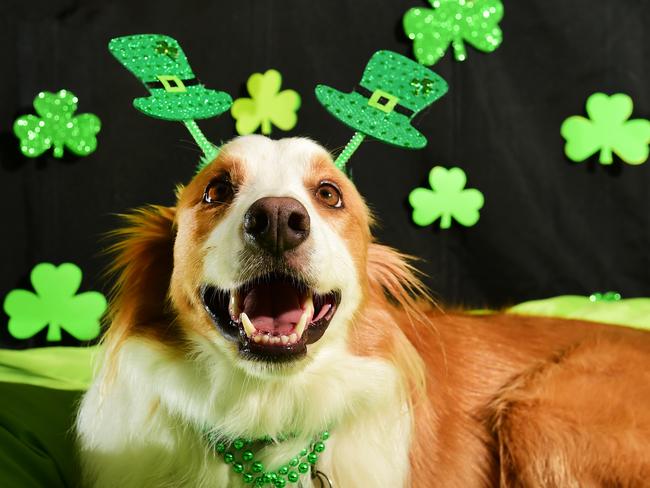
239,454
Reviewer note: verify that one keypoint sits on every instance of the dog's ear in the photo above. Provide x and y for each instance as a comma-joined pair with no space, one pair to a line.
394,285
391,277
143,263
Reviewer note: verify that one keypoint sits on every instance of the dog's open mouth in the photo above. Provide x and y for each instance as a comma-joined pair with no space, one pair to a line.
273,318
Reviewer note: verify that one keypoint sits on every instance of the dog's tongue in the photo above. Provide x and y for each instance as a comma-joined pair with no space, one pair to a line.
273,307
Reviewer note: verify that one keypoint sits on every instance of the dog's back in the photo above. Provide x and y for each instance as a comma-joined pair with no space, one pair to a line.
529,401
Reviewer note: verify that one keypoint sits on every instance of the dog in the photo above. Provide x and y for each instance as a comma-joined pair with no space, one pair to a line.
258,321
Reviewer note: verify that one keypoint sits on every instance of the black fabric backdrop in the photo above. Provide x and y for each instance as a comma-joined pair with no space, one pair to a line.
548,227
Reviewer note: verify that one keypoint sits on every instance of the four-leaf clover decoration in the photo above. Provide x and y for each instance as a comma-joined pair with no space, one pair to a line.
57,126
55,305
446,199
453,22
607,130
267,105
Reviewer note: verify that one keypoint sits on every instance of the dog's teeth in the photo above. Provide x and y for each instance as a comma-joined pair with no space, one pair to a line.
300,326
275,340
233,305
293,338
307,314
284,339
257,338
308,304
265,339
249,328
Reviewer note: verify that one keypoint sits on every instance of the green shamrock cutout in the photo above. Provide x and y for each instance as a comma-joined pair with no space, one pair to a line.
267,105
54,305
453,22
446,199
57,126
607,130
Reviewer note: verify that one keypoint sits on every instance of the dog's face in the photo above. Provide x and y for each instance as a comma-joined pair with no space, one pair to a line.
269,254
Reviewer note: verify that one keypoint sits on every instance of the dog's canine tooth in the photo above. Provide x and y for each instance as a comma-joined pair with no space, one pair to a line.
249,328
300,326
308,304
233,304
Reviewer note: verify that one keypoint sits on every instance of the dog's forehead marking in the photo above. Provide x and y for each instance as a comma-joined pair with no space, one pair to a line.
275,166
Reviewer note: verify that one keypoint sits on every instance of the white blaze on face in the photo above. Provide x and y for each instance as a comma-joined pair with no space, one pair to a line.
278,169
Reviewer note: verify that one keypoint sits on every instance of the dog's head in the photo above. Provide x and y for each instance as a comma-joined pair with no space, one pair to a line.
271,240
266,260
269,252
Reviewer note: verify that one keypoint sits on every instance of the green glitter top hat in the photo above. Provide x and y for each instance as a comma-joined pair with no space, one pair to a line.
393,90
160,63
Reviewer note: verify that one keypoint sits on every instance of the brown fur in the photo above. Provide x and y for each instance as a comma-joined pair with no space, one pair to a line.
498,400
143,263
514,400
510,400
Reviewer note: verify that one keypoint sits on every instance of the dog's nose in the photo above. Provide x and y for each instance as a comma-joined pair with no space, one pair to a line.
277,224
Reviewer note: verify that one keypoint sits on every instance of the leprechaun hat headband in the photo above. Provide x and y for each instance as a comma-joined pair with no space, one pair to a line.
393,90
160,63
175,94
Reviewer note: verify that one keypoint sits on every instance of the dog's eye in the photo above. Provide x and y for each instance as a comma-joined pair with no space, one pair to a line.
329,194
219,190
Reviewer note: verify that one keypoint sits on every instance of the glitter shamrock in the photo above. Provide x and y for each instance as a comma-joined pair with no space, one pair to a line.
446,199
54,305
166,49
608,296
267,105
607,130
453,22
57,126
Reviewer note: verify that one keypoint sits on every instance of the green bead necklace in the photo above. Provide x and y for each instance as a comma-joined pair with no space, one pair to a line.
240,456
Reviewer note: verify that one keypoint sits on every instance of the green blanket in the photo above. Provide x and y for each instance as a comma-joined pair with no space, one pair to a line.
36,438
39,394
64,368
631,312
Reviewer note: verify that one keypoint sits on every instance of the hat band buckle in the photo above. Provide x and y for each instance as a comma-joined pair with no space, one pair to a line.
177,87
383,101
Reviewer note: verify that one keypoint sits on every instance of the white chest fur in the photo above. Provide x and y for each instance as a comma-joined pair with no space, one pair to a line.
139,425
